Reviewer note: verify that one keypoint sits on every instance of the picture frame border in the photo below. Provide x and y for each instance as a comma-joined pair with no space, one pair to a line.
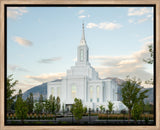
78,2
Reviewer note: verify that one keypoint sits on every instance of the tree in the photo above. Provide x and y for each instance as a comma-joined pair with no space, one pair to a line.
63,108
53,104
47,106
30,103
39,105
21,107
58,105
147,107
137,110
84,110
78,109
132,94
10,90
101,108
150,60
110,106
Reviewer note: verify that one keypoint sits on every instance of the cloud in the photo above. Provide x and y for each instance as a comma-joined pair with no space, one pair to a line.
46,77
147,14
82,16
22,41
49,60
121,66
24,85
131,21
148,38
105,25
16,12
91,25
142,20
138,11
16,68
81,11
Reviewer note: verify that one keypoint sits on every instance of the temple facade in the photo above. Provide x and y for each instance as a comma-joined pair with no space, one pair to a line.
83,82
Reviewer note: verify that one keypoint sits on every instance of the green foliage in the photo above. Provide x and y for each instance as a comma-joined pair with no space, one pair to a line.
10,91
71,110
78,109
131,93
150,60
102,108
137,110
149,108
85,110
63,108
47,108
58,105
30,103
53,104
21,108
39,106
110,106
149,82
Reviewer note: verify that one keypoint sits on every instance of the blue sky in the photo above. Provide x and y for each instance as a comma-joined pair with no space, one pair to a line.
42,41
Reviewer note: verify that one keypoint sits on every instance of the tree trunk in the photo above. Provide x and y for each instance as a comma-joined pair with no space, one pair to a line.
129,117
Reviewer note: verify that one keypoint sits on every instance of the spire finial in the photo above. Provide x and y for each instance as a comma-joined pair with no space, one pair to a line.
83,36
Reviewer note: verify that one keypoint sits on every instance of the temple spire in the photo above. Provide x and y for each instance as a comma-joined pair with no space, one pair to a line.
83,35
83,41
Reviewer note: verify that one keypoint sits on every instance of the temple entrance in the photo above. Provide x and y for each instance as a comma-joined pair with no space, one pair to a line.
68,107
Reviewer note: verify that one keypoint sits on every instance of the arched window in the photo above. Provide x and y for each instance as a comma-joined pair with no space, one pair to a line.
97,93
81,55
73,91
91,94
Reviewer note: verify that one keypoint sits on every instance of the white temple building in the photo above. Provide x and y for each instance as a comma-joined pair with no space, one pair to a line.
83,82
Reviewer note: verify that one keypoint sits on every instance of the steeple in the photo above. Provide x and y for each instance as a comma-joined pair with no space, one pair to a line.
83,41
82,51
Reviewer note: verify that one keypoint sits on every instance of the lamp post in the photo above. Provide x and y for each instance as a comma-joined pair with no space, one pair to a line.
107,116
89,114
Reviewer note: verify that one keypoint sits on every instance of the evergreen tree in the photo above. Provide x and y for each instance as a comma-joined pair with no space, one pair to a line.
53,105
63,108
39,106
30,103
58,105
47,106
10,90
21,107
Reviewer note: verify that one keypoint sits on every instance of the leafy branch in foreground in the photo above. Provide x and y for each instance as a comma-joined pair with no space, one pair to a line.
132,94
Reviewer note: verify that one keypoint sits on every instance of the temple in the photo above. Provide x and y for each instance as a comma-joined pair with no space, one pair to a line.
83,82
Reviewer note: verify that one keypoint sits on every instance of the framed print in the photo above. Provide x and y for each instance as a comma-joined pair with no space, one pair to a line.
80,65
